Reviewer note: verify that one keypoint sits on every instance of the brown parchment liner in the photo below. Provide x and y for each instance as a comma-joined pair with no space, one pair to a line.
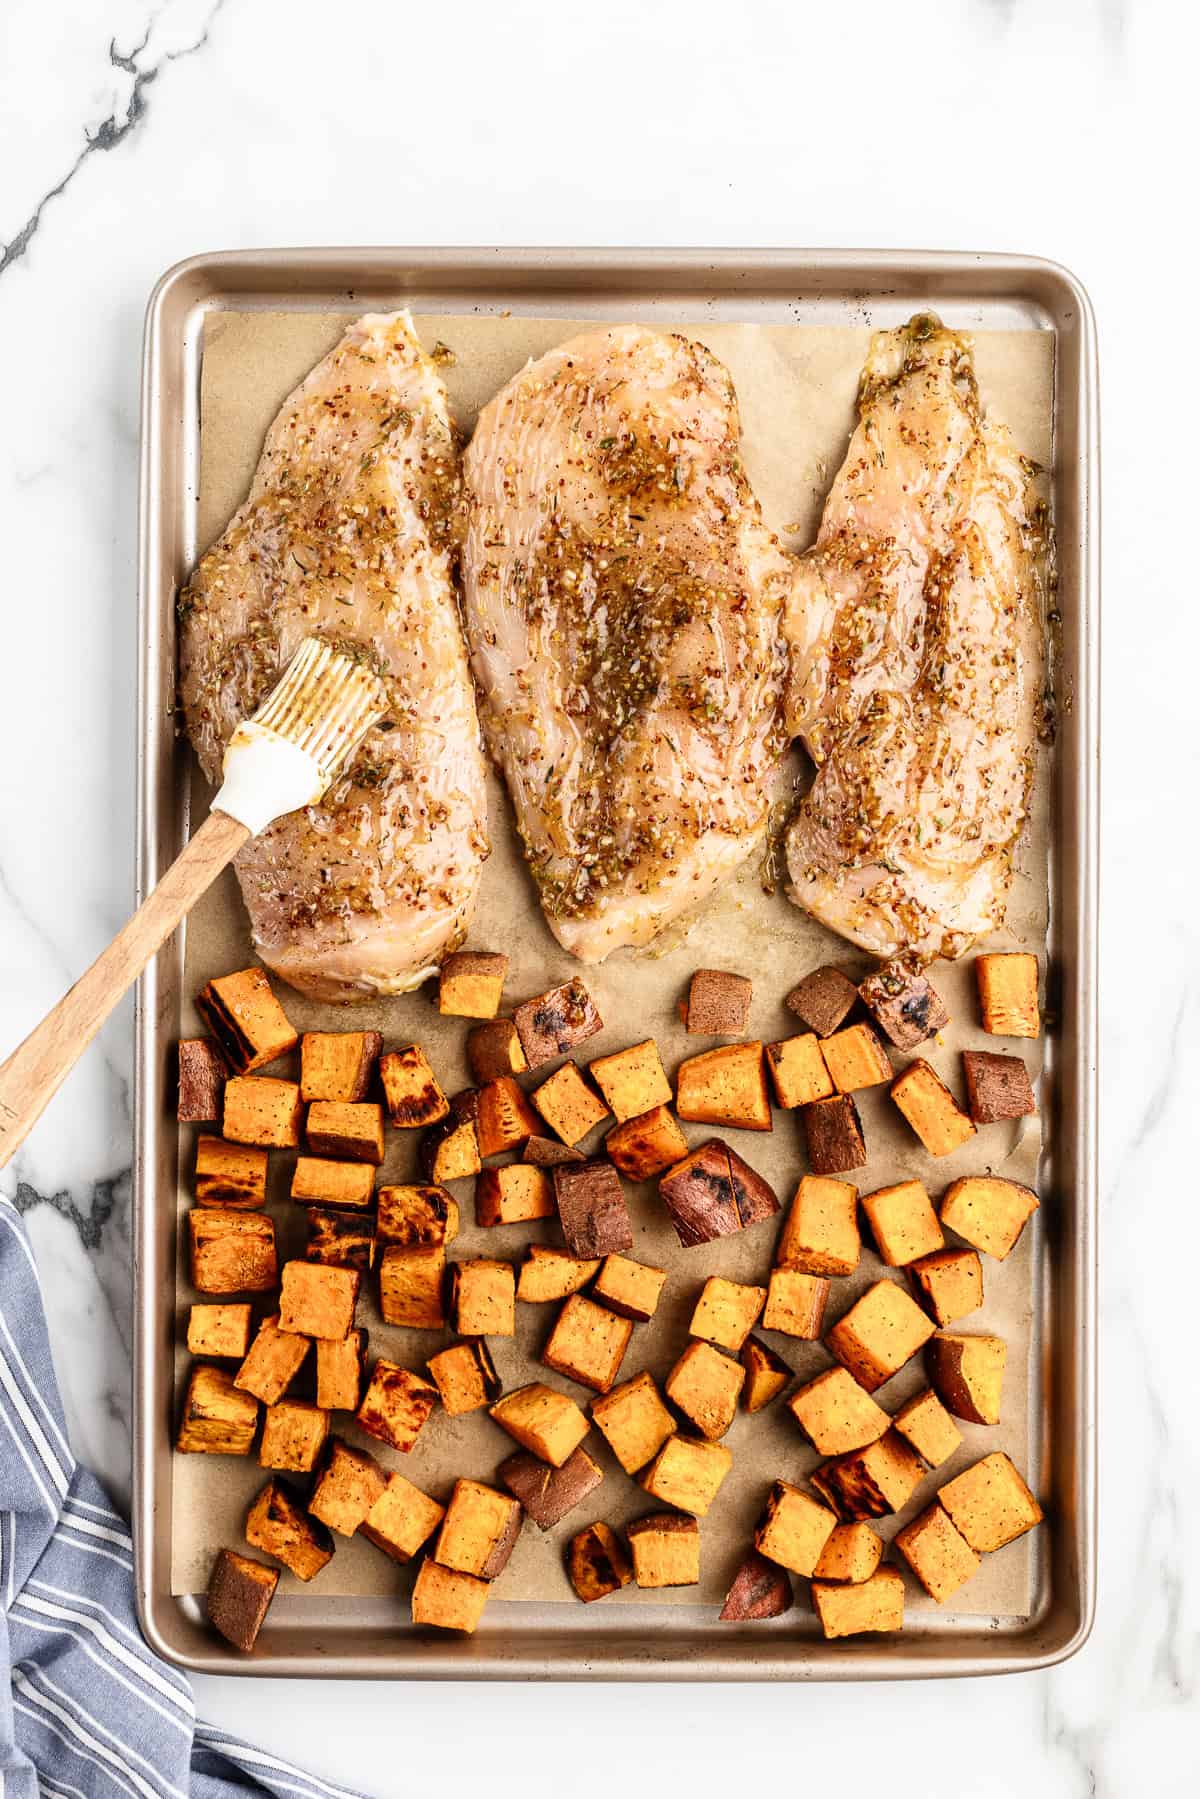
796,388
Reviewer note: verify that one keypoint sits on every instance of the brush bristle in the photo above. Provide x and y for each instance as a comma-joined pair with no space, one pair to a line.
325,704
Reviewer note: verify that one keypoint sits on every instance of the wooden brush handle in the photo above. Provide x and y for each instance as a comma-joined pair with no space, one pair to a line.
34,1072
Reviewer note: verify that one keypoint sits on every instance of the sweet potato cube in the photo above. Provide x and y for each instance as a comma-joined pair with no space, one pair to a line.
341,1240
548,1152
340,1370
240,1590
597,1564
482,1298
556,1021
833,1135
446,1599
687,1473
293,1436
633,1080
967,1373
726,1312
471,983
767,1374
989,1212
846,1610
416,1216
704,1385
870,1482
998,1087
410,1286
938,1555
760,1589
568,1104
903,1223
395,1406
513,1194
633,1421
927,1426
272,1362
232,1252
450,1151
718,1004
410,1089
548,1274
542,1420
1008,995
347,1487
503,1117
348,1133
278,1523
856,1058
588,1343
645,1146
228,1175
465,1377
479,1531
201,1081
631,1289
798,1071
880,1332
823,1000
794,1528
334,1186
725,1086
820,1234
713,1193
402,1519
222,1330
217,1419
904,1005
548,1494
949,1282
317,1301
665,1549
337,1065
989,1503
795,1303
592,1209
248,1022
836,1415
852,1552
494,1050
930,1108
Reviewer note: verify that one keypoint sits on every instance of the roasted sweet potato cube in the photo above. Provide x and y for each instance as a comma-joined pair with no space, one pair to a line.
794,1528
334,1186
542,1420
903,1004
704,1385
760,1589
279,1523
903,1223
446,1599
927,1426
718,1004
632,1081
597,1564
880,1332
348,1485
848,1610
504,1118
201,1081
726,1312
349,1133
317,1301
989,1212
410,1286
588,1343
337,1065
870,1482
833,1135
823,1000
949,1282
410,1089
645,1146
592,1209
548,1152
272,1363
248,1022
395,1406
795,1303
568,1104
222,1330
968,1374
713,1193
232,1252
820,1234
836,1415
471,983
229,1175
725,1086
856,1058
938,1555
631,1289
402,1519
340,1370
798,1071
548,1494
852,1552
989,1503
767,1374
217,1418
666,1550
998,1087
556,1021
513,1194
1008,994
633,1421
293,1436
465,1376
450,1151
687,1473
548,1274
479,1531
931,1110
482,1298
341,1240
494,1050
240,1591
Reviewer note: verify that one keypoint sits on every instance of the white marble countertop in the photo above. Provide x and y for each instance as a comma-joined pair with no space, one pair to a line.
135,132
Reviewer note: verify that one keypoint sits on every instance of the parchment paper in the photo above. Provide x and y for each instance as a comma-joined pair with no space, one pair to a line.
796,388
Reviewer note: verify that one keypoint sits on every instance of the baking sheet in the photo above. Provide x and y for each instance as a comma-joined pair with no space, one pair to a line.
796,388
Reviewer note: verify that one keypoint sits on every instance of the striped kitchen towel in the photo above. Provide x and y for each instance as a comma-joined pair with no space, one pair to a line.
88,1711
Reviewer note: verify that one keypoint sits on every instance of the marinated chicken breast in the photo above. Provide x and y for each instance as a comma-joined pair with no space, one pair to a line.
348,534
916,660
624,607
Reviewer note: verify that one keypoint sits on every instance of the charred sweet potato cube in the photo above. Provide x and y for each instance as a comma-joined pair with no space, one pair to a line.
704,1385
633,1080
713,1193
232,1252
798,1071
795,1303
410,1089
340,1240
767,1374
989,1212
647,1145
687,1473
903,1223
471,983
592,1209
718,1004
278,1523
760,1589
870,1482
410,1286
903,1004
927,1427
513,1194
1008,995
633,1421
880,1332
556,1021
272,1362
246,1019
402,1519
597,1564
395,1405
349,1133
240,1591
482,1298
856,1058
494,1050
340,1370
548,1274
450,1151
222,1330
726,1312
631,1289
820,1234
503,1117
465,1376
833,1135
547,1152
931,1110
334,1186
967,1373
543,1421
318,1301
548,1494
852,1552
725,1086
823,1000
939,1556
666,1550
568,1104
588,1343
217,1419
337,1065
446,1599
949,1282
836,1415
846,1610
479,1531
293,1436
794,1528
998,1087
201,1081
989,1504
347,1487
229,1175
